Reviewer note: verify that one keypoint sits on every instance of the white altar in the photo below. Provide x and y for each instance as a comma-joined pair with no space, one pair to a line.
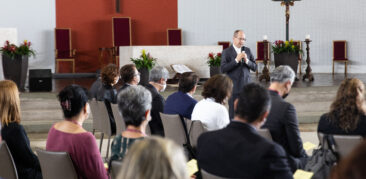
7,34
195,57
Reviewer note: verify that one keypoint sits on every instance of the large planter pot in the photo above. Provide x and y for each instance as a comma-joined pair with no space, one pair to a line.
16,69
144,76
214,70
290,59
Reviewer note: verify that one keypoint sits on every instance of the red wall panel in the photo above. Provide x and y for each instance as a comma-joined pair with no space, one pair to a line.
91,24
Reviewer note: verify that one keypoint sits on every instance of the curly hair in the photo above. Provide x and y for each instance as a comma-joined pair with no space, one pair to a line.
218,87
348,105
109,73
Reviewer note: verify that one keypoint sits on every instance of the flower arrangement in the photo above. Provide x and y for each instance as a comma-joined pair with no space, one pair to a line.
214,60
11,50
145,61
286,46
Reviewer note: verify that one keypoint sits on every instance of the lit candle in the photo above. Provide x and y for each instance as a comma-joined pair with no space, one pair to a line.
265,37
307,37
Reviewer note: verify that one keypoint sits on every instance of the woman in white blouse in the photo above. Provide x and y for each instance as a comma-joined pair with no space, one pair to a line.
211,110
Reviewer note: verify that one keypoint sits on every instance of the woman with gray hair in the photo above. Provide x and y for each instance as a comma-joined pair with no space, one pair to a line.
158,77
134,103
154,158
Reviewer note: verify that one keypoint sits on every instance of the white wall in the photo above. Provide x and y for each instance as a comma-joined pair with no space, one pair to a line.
204,22
35,21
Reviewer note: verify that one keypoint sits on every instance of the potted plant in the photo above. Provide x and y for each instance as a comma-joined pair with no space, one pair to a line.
286,53
144,64
15,62
214,61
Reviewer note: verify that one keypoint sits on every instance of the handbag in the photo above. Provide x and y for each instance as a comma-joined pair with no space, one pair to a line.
323,159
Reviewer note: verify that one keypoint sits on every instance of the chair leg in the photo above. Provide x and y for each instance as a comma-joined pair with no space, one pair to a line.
300,67
333,69
345,68
108,146
101,142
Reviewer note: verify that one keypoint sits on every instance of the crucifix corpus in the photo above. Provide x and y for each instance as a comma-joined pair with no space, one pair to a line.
287,3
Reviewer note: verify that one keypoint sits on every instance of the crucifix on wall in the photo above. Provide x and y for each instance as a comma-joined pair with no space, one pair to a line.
287,3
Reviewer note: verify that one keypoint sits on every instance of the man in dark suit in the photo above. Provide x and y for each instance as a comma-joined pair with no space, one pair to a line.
182,101
236,62
282,121
157,83
238,151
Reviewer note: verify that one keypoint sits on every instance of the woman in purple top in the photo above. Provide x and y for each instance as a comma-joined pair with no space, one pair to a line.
69,135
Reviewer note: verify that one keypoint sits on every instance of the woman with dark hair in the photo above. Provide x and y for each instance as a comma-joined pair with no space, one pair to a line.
134,103
13,133
69,135
347,112
107,92
211,110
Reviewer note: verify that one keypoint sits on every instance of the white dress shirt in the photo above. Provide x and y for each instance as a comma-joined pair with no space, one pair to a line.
238,50
213,115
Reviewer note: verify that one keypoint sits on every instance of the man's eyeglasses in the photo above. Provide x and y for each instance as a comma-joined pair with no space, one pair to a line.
244,39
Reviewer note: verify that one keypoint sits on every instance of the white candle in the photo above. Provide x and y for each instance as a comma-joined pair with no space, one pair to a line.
307,37
265,37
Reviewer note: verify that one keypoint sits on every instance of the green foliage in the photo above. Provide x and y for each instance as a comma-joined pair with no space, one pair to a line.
285,46
145,61
214,60
11,50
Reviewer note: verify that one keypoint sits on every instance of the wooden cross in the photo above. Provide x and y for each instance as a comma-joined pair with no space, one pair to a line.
287,3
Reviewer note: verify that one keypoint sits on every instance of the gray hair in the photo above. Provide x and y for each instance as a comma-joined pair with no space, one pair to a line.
133,102
158,73
283,74
236,32
154,158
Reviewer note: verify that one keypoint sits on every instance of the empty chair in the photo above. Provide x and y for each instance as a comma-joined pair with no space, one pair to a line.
195,130
224,44
265,133
206,175
64,53
340,54
7,166
101,122
260,54
173,128
115,168
344,143
174,36
56,165
120,123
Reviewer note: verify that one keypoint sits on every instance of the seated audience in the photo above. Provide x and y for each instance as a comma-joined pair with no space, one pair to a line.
157,83
353,166
154,158
347,112
129,76
13,133
107,92
211,110
282,120
182,101
238,151
134,103
69,135
93,91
